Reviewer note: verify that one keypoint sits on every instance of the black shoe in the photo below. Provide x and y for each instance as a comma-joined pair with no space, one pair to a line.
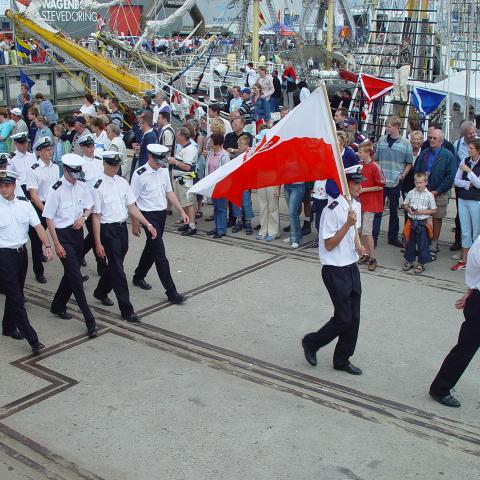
237,228
83,262
396,243
176,298
184,227
248,229
306,229
41,278
16,335
85,278
349,368
287,228
447,400
140,282
218,235
310,355
132,318
455,247
92,332
189,231
212,232
231,223
105,300
63,315
37,348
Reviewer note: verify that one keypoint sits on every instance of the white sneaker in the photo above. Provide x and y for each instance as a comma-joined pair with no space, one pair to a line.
295,245
456,256
286,240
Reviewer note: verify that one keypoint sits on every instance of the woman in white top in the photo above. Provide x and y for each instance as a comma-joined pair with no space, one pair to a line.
88,109
115,143
98,128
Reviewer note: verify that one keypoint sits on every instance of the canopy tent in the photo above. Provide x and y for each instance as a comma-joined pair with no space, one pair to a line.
455,87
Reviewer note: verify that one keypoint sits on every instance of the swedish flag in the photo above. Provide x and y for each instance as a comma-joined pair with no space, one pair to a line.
23,49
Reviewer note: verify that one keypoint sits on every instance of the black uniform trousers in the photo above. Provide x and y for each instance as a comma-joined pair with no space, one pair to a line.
457,360
36,244
13,268
114,238
345,290
71,282
89,241
154,252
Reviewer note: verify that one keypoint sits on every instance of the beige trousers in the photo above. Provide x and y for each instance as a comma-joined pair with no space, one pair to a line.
400,79
269,213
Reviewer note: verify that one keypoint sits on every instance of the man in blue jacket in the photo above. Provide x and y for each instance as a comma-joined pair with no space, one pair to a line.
441,166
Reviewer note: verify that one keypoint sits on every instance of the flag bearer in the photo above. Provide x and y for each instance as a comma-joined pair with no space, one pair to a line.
339,246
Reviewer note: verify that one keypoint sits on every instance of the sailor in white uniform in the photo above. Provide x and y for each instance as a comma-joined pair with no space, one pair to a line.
67,208
40,177
16,215
22,159
339,246
114,200
153,189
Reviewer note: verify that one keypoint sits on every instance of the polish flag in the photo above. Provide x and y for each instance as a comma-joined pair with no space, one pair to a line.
302,147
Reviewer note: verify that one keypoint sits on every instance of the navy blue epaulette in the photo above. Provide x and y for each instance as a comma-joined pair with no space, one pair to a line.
55,186
35,165
141,170
333,205
99,182
22,198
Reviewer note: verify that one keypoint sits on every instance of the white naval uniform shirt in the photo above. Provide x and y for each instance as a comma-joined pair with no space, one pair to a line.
21,164
150,188
472,272
93,170
333,217
66,202
111,197
41,177
15,217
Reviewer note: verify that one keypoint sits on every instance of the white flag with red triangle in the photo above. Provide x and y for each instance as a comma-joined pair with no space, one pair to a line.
300,148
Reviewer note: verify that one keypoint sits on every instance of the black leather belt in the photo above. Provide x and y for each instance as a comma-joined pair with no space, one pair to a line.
10,250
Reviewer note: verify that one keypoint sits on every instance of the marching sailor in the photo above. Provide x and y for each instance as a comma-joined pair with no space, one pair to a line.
113,201
40,177
152,189
16,215
339,246
67,208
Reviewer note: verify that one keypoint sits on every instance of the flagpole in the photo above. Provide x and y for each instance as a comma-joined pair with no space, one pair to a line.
336,146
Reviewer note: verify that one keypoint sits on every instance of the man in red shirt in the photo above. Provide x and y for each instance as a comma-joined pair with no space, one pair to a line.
371,199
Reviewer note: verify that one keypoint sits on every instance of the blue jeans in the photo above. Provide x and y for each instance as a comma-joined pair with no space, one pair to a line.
469,214
393,194
246,208
418,243
274,103
294,195
220,214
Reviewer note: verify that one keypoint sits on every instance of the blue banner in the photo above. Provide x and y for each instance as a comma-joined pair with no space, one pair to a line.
426,101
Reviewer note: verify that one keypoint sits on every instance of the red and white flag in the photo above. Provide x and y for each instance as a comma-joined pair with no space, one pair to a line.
300,148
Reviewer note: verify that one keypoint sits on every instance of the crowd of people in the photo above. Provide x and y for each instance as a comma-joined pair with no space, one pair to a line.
75,173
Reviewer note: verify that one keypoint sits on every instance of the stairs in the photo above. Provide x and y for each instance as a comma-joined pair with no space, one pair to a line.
391,24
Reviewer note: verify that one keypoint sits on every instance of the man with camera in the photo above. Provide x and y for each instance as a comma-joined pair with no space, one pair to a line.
183,164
